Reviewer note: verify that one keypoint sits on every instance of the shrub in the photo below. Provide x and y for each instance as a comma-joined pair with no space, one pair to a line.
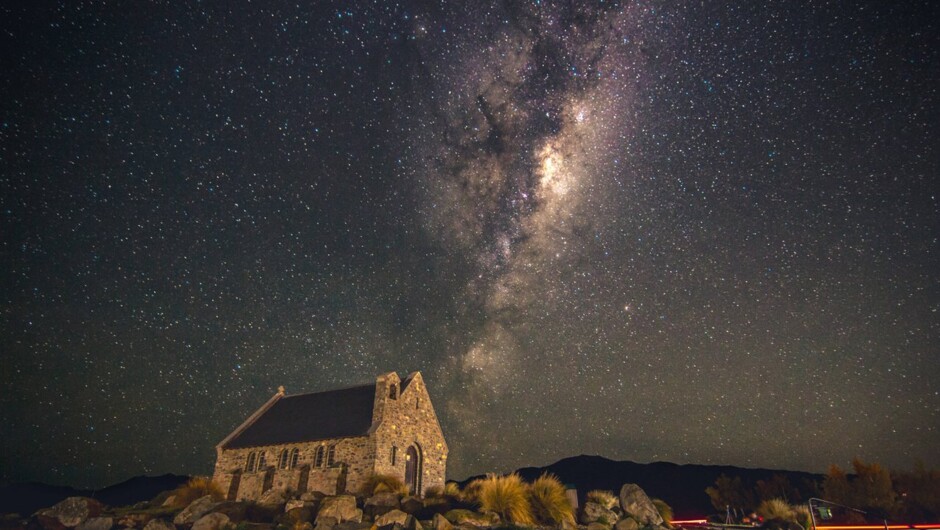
383,484
450,492
776,509
549,503
195,488
605,498
506,496
665,511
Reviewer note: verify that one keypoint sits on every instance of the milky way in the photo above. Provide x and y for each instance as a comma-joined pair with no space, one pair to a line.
684,231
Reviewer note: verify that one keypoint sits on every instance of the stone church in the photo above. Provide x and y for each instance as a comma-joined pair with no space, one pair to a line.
333,441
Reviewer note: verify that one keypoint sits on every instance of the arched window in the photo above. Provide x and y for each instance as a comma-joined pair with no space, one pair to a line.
250,463
294,457
318,460
331,456
282,459
394,454
393,391
261,463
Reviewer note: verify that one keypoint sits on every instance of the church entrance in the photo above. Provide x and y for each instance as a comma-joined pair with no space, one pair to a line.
413,470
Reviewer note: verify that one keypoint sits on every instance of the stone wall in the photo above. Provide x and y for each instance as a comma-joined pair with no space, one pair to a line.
353,459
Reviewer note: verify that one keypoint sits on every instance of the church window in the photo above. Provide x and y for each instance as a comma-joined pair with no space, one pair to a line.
282,459
261,463
331,456
394,454
250,463
393,391
294,456
318,460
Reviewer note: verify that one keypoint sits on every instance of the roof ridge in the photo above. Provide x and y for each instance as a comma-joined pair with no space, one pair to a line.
330,390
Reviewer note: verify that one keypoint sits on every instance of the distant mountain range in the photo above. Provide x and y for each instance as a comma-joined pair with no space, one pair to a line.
26,498
682,486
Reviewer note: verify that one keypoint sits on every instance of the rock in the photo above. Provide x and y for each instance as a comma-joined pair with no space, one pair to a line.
72,512
596,513
159,524
96,523
325,523
341,508
272,497
393,526
350,525
393,517
195,510
441,523
411,504
636,504
300,514
235,511
169,501
312,496
598,526
381,503
302,526
212,521
627,524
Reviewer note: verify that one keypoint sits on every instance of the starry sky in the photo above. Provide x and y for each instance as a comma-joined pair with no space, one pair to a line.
697,232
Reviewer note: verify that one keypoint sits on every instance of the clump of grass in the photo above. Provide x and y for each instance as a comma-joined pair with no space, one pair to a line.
776,509
802,515
549,503
450,492
195,488
379,483
605,498
506,496
665,511
471,492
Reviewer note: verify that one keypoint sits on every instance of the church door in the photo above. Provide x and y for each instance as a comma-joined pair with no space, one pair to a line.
413,470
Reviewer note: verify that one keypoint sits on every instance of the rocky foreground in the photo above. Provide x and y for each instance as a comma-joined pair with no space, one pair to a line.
314,511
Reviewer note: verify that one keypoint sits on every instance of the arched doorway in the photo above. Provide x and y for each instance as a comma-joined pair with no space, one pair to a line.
413,470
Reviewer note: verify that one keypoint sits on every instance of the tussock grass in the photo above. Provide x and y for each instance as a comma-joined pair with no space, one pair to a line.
548,501
195,488
665,511
506,496
471,492
776,509
379,483
605,498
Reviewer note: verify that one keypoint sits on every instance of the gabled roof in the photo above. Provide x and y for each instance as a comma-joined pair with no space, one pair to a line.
310,417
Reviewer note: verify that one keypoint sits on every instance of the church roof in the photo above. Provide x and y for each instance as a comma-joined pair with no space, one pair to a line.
310,417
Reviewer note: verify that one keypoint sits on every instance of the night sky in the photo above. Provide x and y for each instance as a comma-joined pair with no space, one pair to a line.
677,231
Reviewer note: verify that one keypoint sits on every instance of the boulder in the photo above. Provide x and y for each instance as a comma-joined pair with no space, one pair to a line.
598,526
96,523
235,511
341,508
393,526
351,525
325,523
300,514
212,521
596,513
381,503
159,524
72,512
441,523
195,510
272,497
627,524
393,517
312,496
411,504
636,504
